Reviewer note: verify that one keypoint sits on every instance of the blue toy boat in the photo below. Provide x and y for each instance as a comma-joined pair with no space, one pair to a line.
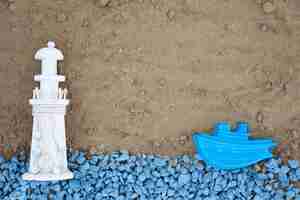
231,149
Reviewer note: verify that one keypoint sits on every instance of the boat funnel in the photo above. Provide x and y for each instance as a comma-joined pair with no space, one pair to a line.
221,128
242,129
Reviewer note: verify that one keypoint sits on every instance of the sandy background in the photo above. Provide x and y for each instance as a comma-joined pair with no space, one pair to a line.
144,74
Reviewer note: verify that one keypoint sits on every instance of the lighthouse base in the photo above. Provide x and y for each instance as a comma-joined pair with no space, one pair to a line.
48,155
47,177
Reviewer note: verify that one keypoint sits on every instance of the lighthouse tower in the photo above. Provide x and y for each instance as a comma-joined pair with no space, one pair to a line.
48,157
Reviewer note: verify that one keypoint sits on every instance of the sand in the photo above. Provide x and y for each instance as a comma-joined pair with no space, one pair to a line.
143,75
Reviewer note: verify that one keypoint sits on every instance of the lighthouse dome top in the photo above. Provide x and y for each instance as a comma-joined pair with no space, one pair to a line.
49,56
49,53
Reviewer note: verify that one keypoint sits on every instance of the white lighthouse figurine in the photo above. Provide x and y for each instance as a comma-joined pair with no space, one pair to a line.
48,157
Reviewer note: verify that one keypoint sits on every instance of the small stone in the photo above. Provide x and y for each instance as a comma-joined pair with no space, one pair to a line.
171,14
293,134
12,7
269,7
119,18
183,139
257,168
173,162
104,3
162,82
61,17
85,23
226,27
157,144
172,107
13,28
93,150
8,151
259,2
263,27
259,117
269,85
69,44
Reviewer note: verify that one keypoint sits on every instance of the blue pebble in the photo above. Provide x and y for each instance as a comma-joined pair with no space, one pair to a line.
184,179
170,193
123,157
80,158
160,162
273,165
56,187
2,160
186,159
2,178
218,188
262,176
130,178
76,196
290,194
85,167
148,177
142,177
75,185
98,196
213,197
284,170
284,179
297,173
160,183
205,191
294,164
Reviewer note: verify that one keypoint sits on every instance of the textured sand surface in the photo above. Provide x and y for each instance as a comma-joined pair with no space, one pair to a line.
143,75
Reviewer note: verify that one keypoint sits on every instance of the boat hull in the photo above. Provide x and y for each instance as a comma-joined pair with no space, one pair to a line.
224,153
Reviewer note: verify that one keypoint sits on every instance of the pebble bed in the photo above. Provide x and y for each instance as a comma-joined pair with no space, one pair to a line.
121,176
